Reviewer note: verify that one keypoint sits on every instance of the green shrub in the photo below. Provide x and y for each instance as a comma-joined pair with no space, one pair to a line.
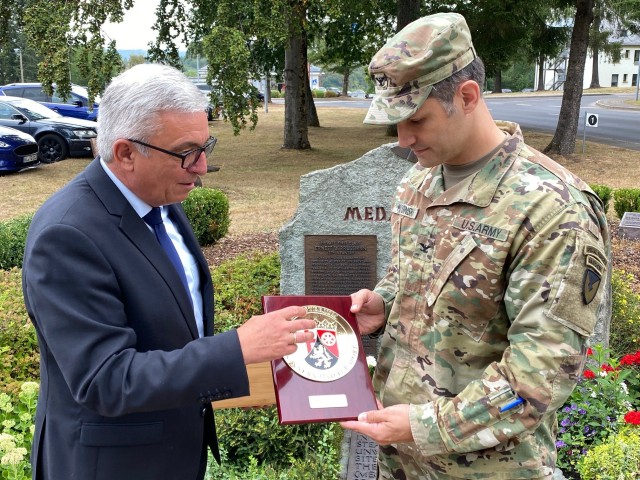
19,357
604,193
617,459
276,94
625,314
256,432
330,94
239,283
317,93
626,200
17,415
13,235
208,212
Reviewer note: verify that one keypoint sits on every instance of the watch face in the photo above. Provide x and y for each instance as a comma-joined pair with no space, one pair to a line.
333,351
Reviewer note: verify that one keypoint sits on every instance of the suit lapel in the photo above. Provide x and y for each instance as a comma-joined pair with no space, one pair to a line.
134,228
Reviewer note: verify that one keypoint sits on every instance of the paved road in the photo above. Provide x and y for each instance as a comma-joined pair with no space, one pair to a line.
618,127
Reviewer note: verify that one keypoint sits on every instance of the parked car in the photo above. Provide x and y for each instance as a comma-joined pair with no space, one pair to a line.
58,137
358,94
18,150
336,90
76,106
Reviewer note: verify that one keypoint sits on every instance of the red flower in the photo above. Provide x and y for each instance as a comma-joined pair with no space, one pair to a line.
589,374
607,368
589,351
632,417
631,359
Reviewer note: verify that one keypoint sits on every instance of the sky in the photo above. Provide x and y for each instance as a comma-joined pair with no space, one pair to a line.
135,30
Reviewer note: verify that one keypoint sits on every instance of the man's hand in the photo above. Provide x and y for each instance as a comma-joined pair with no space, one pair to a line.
274,334
389,425
369,309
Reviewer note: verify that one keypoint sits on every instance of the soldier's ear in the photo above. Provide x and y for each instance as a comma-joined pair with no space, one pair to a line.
469,92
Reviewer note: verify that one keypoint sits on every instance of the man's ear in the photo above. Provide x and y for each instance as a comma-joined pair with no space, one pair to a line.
123,154
469,92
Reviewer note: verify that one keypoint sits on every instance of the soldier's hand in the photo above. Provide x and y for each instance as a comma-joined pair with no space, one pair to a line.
369,309
274,334
389,425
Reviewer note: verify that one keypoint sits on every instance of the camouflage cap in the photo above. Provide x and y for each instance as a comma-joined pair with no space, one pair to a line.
423,53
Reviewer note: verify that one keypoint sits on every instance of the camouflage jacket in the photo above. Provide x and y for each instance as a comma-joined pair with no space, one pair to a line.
491,295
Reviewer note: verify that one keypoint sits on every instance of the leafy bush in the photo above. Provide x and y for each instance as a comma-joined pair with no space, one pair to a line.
276,94
255,432
16,431
330,94
317,93
625,314
208,212
604,193
626,200
19,357
13,236
616,459
239,283
320,461
597,406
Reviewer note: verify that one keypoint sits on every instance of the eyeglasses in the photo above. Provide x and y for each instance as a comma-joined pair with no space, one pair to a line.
188,158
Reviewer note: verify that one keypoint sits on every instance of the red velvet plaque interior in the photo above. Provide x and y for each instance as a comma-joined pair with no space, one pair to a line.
303,400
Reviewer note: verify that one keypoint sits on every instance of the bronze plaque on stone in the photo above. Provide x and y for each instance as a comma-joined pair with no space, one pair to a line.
339,264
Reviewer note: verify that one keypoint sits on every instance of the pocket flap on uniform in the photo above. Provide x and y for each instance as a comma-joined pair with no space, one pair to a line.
448,266
120,435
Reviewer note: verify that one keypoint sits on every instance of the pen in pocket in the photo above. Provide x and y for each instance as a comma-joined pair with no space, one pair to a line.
512,404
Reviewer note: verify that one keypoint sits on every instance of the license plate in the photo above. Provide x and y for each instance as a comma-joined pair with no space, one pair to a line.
30,158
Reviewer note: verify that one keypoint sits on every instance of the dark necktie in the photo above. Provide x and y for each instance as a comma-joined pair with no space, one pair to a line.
154,219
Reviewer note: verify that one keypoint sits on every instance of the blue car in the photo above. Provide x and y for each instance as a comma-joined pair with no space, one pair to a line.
76,106
18,150
58,137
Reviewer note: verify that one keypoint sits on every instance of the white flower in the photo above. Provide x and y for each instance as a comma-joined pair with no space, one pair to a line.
624,388
14,457
371,361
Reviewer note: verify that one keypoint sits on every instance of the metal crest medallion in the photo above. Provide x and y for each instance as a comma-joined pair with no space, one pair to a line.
331,354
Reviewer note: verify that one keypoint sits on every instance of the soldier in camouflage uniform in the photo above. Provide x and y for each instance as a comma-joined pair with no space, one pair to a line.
498,258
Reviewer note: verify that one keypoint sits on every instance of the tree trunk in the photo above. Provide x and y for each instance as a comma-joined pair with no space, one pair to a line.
312,114
295,73
408,11
595,74
564,139
497,82
345,81
541,86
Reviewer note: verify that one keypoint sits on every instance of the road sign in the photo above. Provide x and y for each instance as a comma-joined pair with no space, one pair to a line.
591,120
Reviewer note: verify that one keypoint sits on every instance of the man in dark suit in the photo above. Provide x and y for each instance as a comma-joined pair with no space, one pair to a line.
129,363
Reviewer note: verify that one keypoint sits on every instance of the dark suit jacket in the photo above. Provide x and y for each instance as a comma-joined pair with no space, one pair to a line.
126,383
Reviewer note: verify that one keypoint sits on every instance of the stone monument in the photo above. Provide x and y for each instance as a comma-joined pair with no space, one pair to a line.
339,241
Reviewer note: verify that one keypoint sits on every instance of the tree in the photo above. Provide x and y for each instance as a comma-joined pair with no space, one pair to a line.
564,139
56,30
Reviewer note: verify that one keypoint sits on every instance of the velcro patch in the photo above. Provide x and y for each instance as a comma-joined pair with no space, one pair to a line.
591,281
405,210
483,229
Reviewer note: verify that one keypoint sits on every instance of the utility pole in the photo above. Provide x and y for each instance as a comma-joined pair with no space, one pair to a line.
19,52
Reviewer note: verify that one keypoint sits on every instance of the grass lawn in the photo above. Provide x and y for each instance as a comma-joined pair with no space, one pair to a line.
262,179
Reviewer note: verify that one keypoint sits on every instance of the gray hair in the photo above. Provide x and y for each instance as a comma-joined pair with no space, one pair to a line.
444,90
133,99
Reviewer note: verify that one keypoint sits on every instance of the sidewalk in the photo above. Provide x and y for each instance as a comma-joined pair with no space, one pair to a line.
618,103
